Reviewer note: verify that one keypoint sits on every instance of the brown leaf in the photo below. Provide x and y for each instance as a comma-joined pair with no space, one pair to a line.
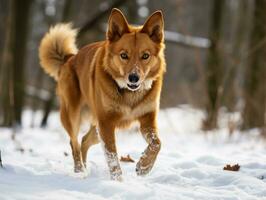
126,159
232,167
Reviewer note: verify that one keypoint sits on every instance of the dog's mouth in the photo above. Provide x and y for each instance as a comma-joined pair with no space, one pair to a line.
133,87
129,86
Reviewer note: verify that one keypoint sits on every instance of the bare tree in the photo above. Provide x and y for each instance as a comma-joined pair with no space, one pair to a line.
13,62
214,71
255,75
6,75
235,61
22,9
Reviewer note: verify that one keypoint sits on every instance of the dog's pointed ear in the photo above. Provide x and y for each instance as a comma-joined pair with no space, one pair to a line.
117,25
154,26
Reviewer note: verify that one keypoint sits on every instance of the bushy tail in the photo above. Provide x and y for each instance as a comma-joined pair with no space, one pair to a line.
56,46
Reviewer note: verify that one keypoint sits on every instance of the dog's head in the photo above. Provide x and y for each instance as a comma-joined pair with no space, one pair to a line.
135,54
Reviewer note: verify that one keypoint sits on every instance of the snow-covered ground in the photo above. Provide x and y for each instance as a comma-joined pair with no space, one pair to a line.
38,163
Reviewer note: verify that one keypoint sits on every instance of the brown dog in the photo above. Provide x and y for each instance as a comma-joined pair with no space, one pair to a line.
119,80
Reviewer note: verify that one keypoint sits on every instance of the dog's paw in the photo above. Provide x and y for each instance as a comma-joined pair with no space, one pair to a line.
78,168
81,175
143,170
117,178
116,175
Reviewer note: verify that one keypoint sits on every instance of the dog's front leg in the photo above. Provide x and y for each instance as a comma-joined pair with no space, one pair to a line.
107,135
148,127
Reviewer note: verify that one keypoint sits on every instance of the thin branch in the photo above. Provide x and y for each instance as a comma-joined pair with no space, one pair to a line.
187,40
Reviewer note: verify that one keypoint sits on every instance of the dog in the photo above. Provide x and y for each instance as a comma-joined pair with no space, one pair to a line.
118,80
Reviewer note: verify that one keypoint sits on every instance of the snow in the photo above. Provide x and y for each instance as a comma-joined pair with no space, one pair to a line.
189,166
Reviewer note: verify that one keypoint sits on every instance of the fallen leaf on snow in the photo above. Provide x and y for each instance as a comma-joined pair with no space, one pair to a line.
126,159
232,167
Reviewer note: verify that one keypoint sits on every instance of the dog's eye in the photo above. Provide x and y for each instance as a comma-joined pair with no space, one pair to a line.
124,56
145,56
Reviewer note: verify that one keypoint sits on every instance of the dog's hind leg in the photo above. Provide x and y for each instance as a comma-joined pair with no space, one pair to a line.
70,117
88,140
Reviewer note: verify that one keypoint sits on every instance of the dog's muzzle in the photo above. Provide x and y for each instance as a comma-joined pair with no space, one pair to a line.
133,81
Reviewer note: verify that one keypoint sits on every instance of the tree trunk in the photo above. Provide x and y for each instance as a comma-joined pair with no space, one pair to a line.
235,62
21,31
214,68
6,75
255,75
12,70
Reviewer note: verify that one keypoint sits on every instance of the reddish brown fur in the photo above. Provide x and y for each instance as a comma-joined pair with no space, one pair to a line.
90,79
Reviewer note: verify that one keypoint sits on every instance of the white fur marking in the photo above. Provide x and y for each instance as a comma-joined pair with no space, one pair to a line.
151,139
112,162
147,84
121,82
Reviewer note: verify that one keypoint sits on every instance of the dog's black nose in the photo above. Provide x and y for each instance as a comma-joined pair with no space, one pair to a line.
133,78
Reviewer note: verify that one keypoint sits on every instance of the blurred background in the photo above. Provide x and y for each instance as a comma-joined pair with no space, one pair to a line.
215,52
